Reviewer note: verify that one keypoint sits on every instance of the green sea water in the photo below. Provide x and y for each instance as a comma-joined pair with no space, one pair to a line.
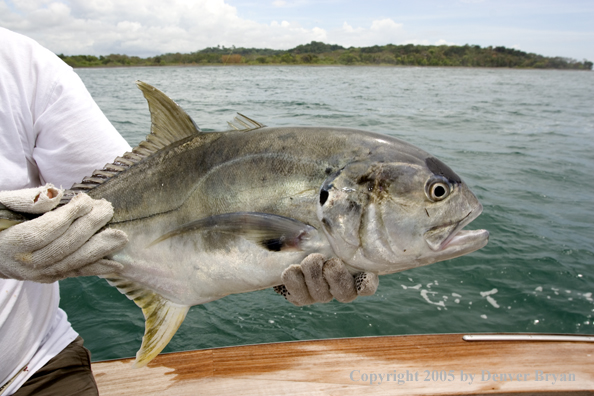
523,140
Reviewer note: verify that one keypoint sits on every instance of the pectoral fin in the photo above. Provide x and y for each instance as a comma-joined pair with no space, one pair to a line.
272,232
162,318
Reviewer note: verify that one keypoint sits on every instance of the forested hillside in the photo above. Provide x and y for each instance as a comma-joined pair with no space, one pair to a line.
317,53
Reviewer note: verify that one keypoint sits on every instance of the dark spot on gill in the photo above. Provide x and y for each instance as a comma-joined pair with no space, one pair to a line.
354,207
323,197
369,180
365,179
441,169
426,211
328,170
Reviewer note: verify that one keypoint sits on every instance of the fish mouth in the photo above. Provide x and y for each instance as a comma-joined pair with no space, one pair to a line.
452,237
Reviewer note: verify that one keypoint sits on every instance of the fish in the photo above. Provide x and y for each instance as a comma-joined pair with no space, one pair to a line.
209,214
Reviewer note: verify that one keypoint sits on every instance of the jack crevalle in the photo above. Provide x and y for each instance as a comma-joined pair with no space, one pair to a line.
218,213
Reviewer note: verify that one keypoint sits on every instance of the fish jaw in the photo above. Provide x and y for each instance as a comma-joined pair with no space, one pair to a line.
464,242
451,240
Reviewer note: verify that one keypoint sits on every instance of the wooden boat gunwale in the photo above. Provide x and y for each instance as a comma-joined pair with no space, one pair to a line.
343,365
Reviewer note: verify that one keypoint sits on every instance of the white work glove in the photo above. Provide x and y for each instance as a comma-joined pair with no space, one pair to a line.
60,243
319,280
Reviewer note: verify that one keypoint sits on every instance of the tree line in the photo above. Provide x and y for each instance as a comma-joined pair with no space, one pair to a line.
318,53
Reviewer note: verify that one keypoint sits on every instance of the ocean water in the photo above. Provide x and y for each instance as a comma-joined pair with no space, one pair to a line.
523,140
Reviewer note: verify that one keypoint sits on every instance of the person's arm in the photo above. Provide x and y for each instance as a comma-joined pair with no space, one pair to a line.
51,131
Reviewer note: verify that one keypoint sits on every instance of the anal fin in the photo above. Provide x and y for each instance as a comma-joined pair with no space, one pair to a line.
162,318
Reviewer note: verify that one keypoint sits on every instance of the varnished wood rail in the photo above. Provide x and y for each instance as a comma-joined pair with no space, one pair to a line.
390,365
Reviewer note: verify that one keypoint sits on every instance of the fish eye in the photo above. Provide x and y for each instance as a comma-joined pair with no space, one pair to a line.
438,189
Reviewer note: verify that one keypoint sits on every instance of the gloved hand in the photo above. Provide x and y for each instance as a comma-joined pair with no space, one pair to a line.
61,243
317,280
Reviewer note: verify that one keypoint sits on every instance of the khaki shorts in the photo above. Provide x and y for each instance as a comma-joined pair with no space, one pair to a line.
68,373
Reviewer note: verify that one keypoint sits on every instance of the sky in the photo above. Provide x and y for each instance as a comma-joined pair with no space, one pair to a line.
151,27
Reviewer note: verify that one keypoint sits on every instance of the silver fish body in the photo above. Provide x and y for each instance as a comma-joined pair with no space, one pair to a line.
212,214
280,171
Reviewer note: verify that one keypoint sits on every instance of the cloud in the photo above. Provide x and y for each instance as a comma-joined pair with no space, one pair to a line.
348,29
150,27
444,42
380,32
144,28
293,3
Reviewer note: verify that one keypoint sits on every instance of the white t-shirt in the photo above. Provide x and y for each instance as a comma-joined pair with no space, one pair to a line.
52,131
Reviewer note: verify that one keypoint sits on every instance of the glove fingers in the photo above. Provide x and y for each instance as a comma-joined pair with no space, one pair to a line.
35,234
312,268
99,246
77,234
32,200
366,283
341,282
294,282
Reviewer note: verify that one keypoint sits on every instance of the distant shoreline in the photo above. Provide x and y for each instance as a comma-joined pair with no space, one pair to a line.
321,54
321,66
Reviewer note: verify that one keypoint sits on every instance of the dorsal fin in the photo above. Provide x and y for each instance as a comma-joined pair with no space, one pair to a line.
169,124
243,123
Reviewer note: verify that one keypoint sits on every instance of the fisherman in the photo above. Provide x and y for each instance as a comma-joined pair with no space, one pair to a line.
51,131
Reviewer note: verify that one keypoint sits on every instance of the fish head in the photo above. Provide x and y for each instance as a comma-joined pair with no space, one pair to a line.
386,217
